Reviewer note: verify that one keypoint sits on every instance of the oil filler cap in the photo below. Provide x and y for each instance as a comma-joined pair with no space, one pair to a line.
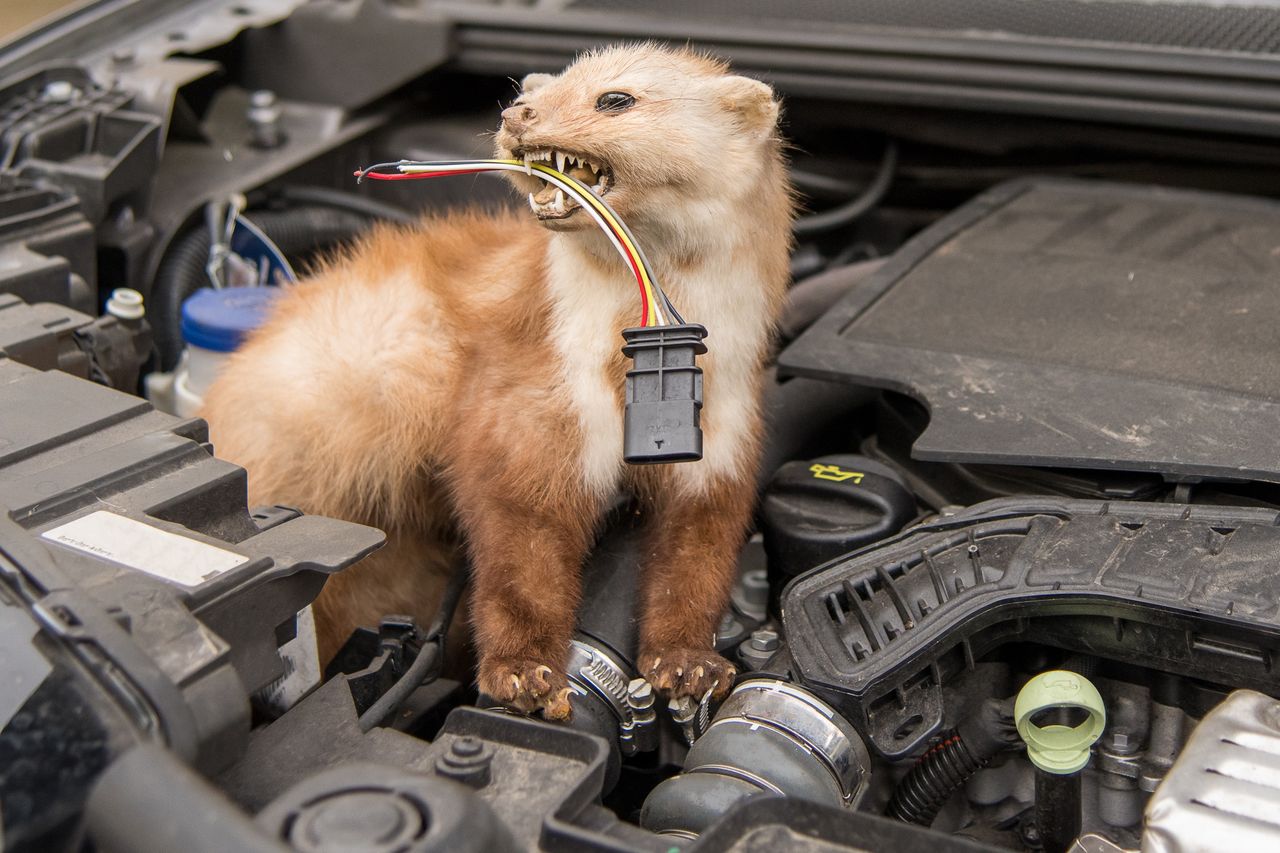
819,509
1059,746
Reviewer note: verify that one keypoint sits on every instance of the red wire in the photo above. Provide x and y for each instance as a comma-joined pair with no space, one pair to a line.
635,268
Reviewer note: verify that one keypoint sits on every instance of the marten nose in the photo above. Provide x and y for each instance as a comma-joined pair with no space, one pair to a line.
518,118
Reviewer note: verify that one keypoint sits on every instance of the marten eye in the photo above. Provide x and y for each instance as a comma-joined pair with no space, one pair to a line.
614,102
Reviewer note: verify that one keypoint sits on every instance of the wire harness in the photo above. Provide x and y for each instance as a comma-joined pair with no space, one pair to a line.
661,420
656,309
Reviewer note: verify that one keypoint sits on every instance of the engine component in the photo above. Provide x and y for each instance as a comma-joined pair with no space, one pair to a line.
47,251
818,509
949,319
142,599
1220,794
73,156
214,324
380,809
1059,751
786,824
767,737
1173,588
47,336
951,762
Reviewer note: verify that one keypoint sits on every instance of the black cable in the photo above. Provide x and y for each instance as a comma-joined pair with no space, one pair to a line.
852,210
328,197
424,667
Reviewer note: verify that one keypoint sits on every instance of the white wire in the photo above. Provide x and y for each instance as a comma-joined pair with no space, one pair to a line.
660,317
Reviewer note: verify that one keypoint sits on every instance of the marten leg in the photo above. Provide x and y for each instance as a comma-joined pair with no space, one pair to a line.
527,532
689,572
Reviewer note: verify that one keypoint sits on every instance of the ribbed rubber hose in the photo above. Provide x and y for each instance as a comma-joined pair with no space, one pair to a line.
930,783
182,270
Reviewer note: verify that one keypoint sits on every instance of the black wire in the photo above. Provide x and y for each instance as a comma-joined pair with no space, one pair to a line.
326,197
424,668
852,210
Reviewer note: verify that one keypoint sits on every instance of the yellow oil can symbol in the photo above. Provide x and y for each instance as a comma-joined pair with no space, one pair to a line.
835,473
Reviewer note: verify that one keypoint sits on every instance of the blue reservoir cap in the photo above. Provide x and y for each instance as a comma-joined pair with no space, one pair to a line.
219,320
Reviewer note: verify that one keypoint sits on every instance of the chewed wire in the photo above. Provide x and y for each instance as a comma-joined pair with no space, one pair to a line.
656,308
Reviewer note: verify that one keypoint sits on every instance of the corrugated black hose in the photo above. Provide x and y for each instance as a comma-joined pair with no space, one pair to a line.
949,763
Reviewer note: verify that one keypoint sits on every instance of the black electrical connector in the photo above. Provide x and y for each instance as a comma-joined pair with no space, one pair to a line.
664,394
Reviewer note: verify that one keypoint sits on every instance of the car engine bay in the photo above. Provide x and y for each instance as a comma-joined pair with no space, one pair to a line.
1013,582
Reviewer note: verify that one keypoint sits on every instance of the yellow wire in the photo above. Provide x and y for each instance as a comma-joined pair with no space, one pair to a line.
655,309
605,211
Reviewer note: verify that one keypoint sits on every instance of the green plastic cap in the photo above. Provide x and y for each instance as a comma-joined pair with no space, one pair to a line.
1057,748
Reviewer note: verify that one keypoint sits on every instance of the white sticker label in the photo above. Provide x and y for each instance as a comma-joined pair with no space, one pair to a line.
146,548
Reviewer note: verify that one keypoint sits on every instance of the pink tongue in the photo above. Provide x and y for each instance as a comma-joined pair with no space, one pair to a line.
547,195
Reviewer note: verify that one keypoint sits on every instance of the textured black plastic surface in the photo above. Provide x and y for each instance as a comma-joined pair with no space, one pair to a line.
664,394
1183,589
1076,324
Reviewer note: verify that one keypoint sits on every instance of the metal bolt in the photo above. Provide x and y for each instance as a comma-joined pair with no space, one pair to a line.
468,761
640,694
264,119
1121,741
765,640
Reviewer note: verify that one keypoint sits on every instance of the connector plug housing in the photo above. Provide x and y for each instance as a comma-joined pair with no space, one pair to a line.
664,394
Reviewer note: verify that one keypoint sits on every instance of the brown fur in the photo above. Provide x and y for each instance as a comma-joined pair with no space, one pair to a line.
418,383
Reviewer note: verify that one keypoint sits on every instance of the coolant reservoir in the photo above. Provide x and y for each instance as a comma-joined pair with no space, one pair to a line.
214,324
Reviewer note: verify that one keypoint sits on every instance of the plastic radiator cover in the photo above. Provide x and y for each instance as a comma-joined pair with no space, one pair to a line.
1079,325
1183,589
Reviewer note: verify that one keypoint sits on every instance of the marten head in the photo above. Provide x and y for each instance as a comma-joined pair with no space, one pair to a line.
653,130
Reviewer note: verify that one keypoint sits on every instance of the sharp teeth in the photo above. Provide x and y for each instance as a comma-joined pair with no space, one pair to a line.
533,205
560,161
559,201
528,169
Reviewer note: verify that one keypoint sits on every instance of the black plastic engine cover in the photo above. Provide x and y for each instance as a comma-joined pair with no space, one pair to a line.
1075,324
1186,589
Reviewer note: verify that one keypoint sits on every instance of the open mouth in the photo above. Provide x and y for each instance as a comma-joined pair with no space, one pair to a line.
551,202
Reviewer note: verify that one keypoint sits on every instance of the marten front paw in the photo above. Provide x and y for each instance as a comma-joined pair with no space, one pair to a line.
527,686
677,672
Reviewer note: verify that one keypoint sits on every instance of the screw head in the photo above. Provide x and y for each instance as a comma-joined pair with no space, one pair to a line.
765,640
640,692
466,747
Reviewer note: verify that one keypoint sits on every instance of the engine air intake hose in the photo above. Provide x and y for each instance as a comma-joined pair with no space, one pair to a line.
769,737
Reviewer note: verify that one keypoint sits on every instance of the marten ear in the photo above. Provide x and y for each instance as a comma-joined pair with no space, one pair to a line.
751,101
533,81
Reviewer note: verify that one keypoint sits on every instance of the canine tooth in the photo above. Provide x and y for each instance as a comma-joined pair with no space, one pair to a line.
559,201
533,205
560,161
528,167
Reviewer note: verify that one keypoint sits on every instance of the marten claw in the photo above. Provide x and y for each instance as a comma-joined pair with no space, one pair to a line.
527,686
677,672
